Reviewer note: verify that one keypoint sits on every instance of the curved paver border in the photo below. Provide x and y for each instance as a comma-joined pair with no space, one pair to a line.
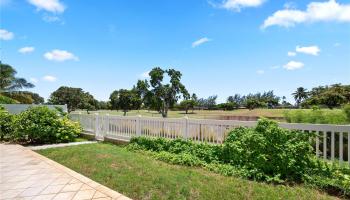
25,174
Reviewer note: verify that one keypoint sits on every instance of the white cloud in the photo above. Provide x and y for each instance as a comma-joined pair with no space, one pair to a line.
33,80
200,41
315,12
293,65
236,5
49,78
291,53
48,18
275,67
337,44
145,74
54,6
311,50
26,50
260,72
6,35
60,55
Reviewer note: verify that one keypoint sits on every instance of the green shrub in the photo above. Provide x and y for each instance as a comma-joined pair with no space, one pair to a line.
268,151
6,124
41,125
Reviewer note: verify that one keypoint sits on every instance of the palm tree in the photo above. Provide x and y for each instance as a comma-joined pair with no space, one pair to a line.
8,80
299,95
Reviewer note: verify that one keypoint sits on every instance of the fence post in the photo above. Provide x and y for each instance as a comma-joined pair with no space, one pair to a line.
138,126
185,127
106,129
79,117
97,126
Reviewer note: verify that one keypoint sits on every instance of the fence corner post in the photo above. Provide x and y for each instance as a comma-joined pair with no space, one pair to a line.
138,125
185,127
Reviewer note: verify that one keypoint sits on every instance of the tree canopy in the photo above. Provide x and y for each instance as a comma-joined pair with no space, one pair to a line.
75,98
8,80
164,95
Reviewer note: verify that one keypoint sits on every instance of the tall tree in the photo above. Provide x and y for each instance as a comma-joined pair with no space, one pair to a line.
167,93
299,95
114,100
75,98
8,80
236,99
128,100
142,91
208,103
187,104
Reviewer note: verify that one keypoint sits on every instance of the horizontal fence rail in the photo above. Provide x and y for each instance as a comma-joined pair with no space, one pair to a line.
332,142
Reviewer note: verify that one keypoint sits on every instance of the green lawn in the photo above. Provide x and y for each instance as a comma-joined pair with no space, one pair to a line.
201,114
141,177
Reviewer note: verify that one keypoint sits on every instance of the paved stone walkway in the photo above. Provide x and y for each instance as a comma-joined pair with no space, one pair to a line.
25,174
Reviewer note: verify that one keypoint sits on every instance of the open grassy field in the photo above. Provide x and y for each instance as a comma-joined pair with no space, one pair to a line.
210,114
140,176
200,114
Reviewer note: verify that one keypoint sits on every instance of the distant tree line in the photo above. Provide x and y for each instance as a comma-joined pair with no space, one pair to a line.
332,96
160,95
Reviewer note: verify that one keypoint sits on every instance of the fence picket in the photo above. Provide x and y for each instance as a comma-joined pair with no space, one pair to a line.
332,145
325,145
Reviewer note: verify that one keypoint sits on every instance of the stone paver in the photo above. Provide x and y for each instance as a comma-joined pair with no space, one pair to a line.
25,174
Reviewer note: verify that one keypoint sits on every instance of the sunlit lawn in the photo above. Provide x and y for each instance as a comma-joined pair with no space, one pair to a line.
141,177
201,114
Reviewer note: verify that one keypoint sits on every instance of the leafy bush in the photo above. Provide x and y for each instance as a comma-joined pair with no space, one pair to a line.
316,116
268,151
41,125
6,124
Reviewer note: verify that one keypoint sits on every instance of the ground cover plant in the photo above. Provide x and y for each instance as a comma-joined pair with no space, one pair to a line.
140,176
265,153
38,125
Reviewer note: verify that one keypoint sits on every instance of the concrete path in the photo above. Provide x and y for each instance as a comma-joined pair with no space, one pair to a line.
25,174
48,146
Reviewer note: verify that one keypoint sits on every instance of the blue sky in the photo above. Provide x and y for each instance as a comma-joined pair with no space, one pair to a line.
221,47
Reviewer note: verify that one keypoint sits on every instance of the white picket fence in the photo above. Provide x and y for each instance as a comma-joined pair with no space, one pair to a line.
332,142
